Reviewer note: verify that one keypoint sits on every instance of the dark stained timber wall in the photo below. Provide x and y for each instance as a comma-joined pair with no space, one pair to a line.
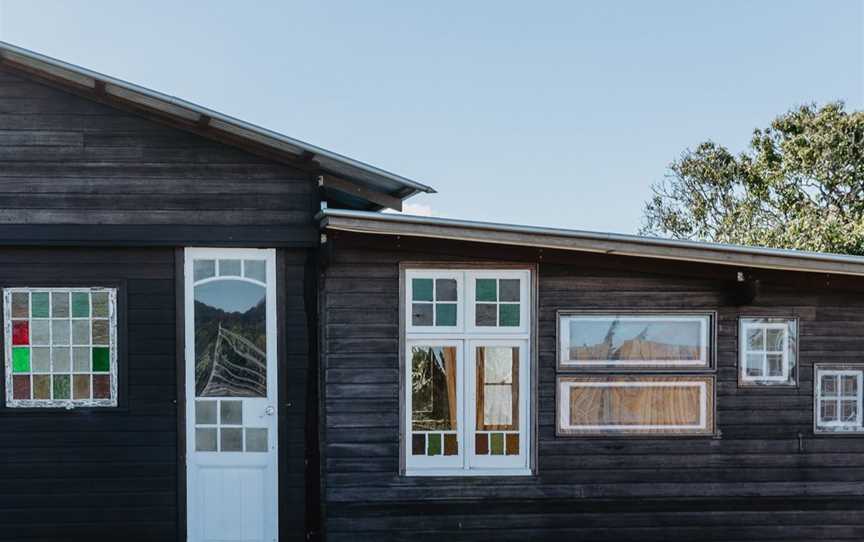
67,160
766,478
99,474
75,172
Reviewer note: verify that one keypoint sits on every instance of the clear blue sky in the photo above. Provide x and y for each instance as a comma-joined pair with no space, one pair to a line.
547,113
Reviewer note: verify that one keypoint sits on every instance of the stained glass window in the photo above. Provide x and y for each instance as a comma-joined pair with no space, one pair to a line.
61,347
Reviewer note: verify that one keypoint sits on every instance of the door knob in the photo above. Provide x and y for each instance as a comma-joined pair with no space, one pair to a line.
270,410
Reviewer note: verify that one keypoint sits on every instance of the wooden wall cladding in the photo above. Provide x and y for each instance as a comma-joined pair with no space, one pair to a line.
635,405
767,477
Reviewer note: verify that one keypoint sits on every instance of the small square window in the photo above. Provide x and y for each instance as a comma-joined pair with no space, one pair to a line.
838,398
767,351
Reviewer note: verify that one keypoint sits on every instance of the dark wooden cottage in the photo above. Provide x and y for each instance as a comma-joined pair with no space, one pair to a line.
213,333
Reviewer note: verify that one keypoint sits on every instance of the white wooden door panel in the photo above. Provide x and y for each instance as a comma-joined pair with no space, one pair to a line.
231,421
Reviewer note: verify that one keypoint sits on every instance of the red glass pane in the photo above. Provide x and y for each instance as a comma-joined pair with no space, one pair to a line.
21,387
21,332
101,387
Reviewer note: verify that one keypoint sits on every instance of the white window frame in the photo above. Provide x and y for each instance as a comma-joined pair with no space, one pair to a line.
748,323
703,383
565,363
466,338
838,426
471,303
434,274
71,403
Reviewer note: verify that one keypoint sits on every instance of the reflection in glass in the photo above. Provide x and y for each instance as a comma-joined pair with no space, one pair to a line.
230,339
639,339
433,388
498,398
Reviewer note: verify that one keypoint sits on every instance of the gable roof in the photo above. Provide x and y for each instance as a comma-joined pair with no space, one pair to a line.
586,241
370,179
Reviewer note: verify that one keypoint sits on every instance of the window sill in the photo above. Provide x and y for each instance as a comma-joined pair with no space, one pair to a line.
467,472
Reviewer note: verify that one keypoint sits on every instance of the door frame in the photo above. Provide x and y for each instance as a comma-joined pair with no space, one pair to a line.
275,296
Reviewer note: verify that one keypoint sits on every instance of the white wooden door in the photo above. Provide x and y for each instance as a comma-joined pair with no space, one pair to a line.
231,414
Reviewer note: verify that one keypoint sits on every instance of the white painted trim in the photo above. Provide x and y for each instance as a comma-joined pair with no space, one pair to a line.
565,387
241,459
565,362
112,345
839,426
464,339
748,324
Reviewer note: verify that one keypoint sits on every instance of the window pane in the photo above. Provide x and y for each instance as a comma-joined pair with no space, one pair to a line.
231,412
445,289
60,304
849,411
205,439
616,339
509,289
486,290
231,439
203,269
850,386
756,339
775,365
20,305
40,358
80,304
445,314
230,339
256,439
829,411
605,405
39,304
497,397
433,388
754,365
255,270
421,314
41,386
205,412
508,315
41,332
421,290
486,315
229,268
774,340
829,385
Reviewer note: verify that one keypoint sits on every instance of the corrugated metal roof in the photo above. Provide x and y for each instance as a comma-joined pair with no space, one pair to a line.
330,162
587,241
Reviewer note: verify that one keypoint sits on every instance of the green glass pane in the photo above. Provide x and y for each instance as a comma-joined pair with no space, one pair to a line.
101,361
40,304
497,442
20,360
508,315
487,290
100,304
421,289
435,444
80,304
61,387
445,314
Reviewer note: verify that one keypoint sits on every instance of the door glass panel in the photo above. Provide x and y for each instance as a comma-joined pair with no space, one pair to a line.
230,339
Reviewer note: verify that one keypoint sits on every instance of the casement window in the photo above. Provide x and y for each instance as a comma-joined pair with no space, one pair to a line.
60,347
634,341
838,403
767,351
617,394
467,372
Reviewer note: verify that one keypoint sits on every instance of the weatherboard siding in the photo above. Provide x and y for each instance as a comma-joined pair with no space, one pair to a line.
766,477
66,160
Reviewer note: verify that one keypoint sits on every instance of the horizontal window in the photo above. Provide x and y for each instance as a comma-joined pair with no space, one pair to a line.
767,351
635,405
61,347
633,341
838,403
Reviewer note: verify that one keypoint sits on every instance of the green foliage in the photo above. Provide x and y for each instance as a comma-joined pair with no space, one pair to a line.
800,185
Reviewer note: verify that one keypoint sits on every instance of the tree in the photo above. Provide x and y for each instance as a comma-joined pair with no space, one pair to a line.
800,184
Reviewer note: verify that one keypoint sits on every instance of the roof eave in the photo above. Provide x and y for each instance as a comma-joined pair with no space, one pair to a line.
597,242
